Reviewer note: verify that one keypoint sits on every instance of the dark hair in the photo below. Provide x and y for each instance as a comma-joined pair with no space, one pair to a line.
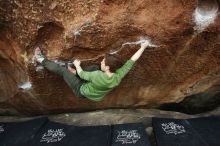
113,61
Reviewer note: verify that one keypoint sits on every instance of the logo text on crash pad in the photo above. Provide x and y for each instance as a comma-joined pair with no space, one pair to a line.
128,137
172,128
53,135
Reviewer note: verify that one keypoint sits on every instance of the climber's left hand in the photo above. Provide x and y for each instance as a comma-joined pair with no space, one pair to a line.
76,62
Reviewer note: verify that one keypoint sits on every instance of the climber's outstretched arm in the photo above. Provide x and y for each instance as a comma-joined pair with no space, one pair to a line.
137,55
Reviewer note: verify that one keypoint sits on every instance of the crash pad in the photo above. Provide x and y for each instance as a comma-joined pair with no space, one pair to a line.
187,132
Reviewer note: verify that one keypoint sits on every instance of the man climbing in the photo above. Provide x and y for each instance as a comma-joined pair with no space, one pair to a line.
91,82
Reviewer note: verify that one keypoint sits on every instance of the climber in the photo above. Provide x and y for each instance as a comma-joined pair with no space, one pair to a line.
92,83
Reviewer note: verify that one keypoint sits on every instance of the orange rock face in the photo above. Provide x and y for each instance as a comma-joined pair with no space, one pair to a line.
185,61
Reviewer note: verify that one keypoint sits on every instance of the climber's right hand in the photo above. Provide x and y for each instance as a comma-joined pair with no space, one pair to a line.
145,44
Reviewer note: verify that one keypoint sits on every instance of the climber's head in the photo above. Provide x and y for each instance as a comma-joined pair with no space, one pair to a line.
111,62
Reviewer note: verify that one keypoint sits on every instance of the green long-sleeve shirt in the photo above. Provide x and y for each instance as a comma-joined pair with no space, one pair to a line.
99,84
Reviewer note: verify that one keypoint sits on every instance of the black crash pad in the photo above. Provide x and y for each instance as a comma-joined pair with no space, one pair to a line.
208,128
133,134
93,136
42,132
57,134
188,132
20,133
2,132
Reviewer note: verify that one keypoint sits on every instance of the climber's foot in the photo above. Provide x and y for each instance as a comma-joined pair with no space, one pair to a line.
38,55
